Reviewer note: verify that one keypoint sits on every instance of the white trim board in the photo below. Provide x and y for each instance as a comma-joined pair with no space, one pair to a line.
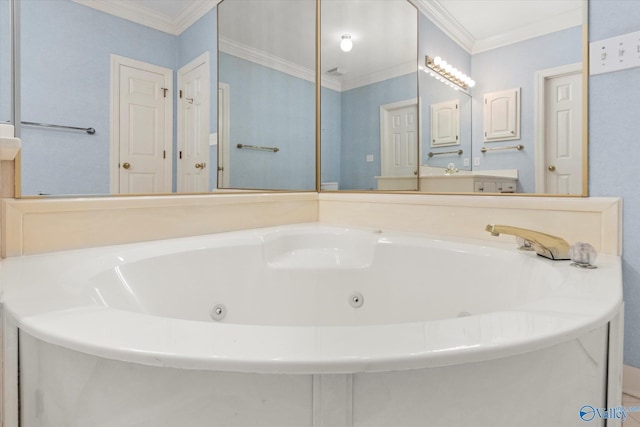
194,10
259,57
450,26
631,380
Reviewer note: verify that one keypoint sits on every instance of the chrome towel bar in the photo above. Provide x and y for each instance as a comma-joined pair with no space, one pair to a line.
257,147
458,152
90,131
511,147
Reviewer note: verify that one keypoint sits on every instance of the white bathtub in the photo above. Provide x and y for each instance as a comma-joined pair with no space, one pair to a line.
319,325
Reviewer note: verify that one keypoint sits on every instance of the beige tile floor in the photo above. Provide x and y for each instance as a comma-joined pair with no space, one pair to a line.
633,420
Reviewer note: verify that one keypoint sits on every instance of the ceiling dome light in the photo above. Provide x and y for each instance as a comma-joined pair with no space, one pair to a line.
346,44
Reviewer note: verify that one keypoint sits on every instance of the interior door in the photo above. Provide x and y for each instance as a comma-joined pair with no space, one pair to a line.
143,126
399,140
193,125
563,96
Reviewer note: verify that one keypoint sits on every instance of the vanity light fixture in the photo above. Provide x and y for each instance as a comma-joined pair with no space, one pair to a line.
446,73
346,44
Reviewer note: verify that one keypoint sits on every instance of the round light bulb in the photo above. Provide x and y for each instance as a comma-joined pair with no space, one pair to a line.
346,44
472,83
454,70
437,60
443,64
448,68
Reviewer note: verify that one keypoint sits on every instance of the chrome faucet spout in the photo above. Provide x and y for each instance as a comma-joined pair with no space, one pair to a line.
546,245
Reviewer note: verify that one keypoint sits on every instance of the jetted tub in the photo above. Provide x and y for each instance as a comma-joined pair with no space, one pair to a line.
310,325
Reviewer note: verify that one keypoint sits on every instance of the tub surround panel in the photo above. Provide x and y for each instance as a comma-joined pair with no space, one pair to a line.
35,226
593,220
547,387
67,388
45,225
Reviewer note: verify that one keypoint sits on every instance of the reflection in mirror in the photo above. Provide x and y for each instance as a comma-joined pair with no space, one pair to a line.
5,62
526,121
369,117
267,92
83,65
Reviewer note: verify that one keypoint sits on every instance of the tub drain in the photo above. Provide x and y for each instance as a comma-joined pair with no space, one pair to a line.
218,312
356,300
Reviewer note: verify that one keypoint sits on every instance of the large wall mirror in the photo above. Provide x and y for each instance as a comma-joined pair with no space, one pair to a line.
521,124
226,92
501,102
267,95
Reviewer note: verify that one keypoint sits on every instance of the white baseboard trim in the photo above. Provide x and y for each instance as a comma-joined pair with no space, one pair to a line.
631,380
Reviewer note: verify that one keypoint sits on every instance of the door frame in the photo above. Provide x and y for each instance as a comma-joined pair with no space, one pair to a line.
385,110
223,130
540,103
114,120
203,59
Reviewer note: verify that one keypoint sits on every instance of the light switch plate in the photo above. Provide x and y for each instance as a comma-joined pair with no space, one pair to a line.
614,54
369,158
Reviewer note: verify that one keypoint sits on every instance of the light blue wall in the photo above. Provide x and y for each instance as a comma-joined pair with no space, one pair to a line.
202,37
614,151
5,61
514,66
70,86
330,137
434,42
361,128
74,43
273,109
433,91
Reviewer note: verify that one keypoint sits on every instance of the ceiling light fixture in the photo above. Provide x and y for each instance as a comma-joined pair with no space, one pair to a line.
346,44
441,70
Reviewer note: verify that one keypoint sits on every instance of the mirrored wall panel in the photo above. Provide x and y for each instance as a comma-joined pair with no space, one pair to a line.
520,119
117,98
370,116
5,62
206,95
267,95
500,99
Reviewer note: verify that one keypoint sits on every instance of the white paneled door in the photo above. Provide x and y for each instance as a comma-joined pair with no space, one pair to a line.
141,129
564,134
399,139
193,125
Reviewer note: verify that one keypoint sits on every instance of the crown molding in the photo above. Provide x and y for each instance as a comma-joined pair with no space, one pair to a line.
555,23
194,11
149,18
379,76
446,22
256,56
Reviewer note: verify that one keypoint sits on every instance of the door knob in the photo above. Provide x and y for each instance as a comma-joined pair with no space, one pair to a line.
126,165
201,165
552,168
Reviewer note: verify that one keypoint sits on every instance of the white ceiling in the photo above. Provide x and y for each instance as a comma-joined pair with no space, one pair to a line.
383,31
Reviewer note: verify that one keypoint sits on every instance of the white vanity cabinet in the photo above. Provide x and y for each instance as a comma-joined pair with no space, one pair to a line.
502,115
467,184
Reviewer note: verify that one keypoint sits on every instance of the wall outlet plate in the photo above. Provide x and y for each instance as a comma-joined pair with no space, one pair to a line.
369,158
614,54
